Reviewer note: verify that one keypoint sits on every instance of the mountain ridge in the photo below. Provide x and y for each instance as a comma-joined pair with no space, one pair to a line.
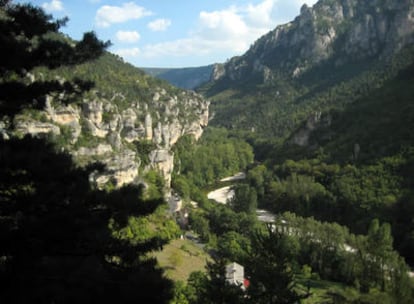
332,54
354,29
186,78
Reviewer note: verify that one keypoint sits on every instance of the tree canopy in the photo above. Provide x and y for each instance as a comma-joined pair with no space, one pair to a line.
57,245
30,38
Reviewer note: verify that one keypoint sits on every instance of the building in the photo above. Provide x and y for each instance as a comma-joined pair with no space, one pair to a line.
235,274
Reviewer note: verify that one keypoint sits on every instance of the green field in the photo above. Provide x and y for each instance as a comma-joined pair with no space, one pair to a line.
181,257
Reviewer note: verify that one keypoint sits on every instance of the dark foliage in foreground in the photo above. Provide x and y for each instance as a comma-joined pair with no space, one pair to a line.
56,244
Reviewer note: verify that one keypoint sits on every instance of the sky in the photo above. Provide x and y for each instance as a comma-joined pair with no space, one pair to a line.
171,34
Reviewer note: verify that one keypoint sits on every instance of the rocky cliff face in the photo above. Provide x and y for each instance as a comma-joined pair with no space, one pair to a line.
333,54
341,30
108,130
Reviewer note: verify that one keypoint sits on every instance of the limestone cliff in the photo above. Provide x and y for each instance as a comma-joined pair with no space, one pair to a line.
342,30
108,127
333,54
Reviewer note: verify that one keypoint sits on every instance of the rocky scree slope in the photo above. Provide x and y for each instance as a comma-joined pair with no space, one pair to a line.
129,121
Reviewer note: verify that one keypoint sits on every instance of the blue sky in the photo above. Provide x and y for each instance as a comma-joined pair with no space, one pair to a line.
180,33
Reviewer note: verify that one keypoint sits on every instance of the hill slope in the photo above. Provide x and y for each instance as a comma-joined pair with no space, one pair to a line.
186,78
129,121
332,54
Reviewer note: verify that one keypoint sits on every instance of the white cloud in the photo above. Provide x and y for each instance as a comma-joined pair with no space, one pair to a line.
128,52
235,28
229,31
308,2
107,15
159,25
260,15
186,47
128,36
221,25
53,6
223,33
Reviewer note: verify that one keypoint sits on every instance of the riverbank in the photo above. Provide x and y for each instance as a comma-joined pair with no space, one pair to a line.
223,195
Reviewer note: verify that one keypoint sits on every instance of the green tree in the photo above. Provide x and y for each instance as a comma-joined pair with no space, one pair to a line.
272,278
56,243
180,294
402,287
245,199
379,247
30,39
298,193
196,286
223,219
200,225
234,246
179,184
55,236
258,177
218,290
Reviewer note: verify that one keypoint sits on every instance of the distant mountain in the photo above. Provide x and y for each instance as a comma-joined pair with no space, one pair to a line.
292,79
186,78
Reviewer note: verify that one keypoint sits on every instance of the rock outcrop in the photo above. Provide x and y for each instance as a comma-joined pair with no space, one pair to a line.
36,128
163,160
103,130
348,30
301,136
121,169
